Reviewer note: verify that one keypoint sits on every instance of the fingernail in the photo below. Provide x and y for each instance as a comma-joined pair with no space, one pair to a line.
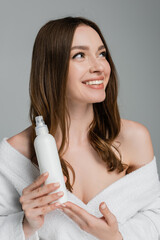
63,205
56,184
57,204
103,206
60,193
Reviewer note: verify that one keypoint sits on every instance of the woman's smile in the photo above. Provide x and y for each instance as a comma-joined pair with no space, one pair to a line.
88,66
95,83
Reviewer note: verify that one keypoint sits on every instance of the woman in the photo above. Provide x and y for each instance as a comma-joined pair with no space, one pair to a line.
73,85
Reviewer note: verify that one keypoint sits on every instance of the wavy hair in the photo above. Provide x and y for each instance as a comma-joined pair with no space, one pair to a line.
48,78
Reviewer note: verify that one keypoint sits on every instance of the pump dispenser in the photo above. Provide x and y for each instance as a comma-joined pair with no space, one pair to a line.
48,158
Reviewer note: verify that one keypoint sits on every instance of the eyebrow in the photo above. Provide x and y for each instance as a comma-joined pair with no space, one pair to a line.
86,47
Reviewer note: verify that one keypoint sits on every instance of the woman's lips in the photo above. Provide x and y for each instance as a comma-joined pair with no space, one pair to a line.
93,79
95,86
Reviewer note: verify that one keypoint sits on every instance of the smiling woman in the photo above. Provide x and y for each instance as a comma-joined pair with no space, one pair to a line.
108,163
88,64
63,94
88,68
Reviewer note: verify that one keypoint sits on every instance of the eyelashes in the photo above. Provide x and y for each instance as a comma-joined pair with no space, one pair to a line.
104,54
80,55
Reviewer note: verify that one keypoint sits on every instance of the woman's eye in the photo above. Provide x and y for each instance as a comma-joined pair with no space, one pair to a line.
78,55
103,54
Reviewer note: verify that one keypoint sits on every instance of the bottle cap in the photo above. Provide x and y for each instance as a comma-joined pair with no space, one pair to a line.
41,127
39,121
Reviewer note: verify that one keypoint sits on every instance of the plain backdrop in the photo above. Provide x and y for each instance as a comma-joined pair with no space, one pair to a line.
132,31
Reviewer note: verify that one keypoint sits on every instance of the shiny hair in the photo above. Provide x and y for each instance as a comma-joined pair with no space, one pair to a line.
48,78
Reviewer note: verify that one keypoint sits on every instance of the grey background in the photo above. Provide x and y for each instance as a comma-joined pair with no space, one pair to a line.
132,31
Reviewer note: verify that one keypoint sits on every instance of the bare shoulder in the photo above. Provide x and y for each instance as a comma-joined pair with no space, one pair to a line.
22,142
137,143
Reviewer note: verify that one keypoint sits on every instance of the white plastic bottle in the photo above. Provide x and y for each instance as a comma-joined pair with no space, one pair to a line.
48,158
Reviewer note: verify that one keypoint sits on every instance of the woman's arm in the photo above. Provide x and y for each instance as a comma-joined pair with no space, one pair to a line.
144,225
137,144
22,188
11,214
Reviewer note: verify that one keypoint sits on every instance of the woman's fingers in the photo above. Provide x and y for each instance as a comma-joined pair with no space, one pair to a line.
108,215
80,212
37,200
42,201
37,183
36,195
74,217
41,191
40,211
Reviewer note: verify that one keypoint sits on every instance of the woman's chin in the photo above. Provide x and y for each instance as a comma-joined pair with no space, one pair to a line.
98,99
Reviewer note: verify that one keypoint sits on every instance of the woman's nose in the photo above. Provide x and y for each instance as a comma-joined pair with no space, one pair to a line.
95,66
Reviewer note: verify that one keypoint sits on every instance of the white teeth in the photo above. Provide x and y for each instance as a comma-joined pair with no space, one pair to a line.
94,82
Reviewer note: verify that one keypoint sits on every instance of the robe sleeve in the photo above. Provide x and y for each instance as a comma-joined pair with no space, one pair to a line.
145,224
11,214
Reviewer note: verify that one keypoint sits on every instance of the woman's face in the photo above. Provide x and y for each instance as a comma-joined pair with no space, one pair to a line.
89,71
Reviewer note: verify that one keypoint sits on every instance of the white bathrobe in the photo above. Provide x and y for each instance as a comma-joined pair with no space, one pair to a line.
134,200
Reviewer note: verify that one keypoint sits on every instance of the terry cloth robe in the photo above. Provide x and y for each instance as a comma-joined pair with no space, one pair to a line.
134,200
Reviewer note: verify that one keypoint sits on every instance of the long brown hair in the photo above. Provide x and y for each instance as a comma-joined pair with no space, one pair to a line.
48,78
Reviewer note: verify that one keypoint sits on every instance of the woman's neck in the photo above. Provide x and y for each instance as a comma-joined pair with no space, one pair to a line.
80,119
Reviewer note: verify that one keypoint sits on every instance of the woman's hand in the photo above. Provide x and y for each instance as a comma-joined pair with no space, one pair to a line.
37,202
105,228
